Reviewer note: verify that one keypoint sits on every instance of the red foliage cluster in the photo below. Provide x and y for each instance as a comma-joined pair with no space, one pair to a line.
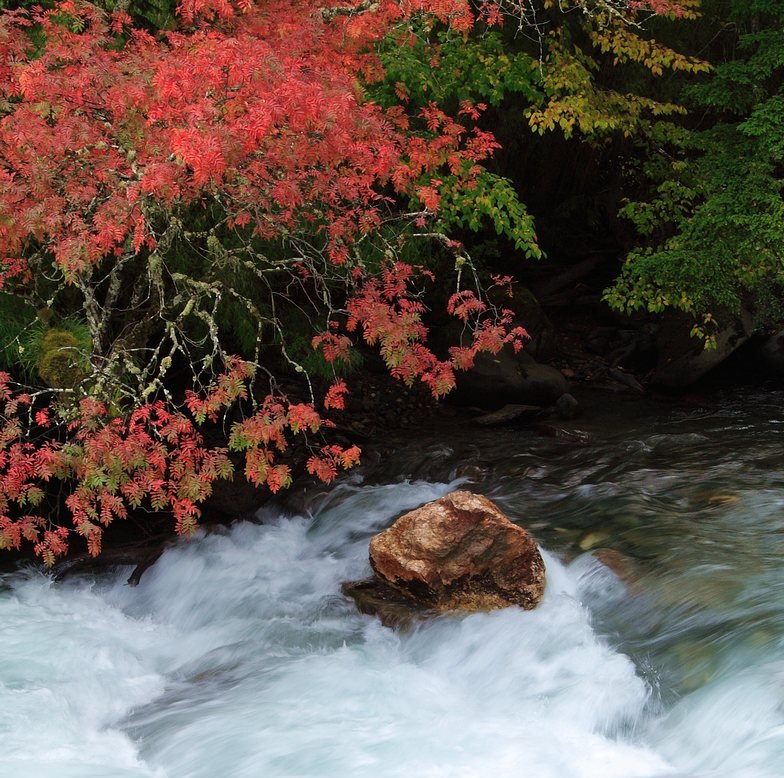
257,105
676,8
263,106
155,456
388,314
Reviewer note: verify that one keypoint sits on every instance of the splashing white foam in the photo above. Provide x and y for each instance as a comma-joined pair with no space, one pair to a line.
237,656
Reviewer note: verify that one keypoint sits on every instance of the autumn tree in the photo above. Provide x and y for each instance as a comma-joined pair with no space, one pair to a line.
164,197
188,199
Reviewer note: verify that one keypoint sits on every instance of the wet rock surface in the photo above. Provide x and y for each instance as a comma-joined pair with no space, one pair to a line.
508,414
508,378
459,552
375,597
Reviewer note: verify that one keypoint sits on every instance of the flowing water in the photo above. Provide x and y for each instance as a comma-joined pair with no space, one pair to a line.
658,649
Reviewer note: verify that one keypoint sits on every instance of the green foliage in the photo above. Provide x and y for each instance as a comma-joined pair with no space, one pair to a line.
153,14
493,199
446,68
765,125
745,12
769,303
715,214
672,200
296,334
17,316
580,101
59,355
241,332
424,65
726,216
739,85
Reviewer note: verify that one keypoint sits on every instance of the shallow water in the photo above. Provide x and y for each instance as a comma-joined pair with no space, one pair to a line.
657,652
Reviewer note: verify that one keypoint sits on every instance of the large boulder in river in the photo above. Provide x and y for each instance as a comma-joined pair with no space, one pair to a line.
507,378
684,359
769,352
459,552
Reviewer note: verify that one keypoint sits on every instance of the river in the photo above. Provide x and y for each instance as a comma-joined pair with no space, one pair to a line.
658,649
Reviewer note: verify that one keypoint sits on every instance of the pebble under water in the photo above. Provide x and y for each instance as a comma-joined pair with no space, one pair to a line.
658,649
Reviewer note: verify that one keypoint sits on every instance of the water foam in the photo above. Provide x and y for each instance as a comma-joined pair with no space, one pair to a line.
238,656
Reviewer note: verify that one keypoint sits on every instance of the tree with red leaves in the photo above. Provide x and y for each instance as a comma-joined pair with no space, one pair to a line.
154,186
166,197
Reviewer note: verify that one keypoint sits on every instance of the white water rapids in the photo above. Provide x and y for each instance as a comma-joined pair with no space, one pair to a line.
238,657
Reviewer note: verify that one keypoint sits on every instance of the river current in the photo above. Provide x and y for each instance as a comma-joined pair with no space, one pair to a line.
658,649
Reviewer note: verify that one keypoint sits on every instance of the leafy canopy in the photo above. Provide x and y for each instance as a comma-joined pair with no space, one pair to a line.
174,188
714,218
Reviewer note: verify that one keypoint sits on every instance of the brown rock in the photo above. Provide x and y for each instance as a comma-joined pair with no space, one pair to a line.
460,552
375,597
684,359
623,566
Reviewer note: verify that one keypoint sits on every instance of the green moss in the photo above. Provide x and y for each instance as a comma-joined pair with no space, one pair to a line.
61,362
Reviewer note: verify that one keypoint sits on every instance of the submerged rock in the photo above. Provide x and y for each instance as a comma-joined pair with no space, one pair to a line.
375,597
459,552
562,433
593,539
567,406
